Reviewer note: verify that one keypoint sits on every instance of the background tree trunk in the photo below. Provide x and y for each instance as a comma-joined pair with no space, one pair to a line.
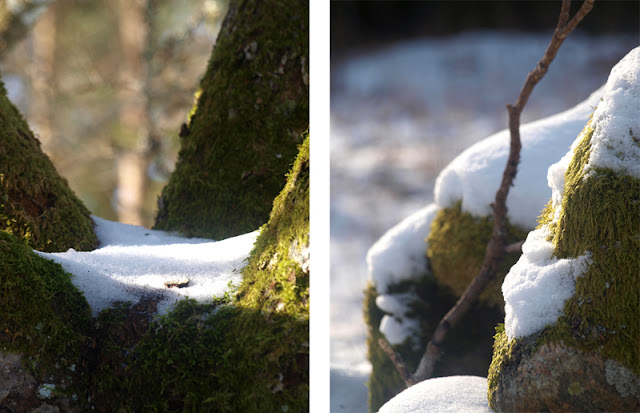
134,118
16,19
43,80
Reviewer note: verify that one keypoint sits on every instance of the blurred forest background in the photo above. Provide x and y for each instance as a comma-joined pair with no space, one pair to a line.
358,26
105,85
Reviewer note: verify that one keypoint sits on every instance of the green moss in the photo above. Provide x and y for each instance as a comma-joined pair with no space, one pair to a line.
244,132
384,381
44,316
502,350
457,244
601,214
274,278
36,204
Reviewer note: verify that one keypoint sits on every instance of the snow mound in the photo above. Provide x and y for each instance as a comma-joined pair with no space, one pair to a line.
615,143
453,394
400,253
475,175
133,262
537,286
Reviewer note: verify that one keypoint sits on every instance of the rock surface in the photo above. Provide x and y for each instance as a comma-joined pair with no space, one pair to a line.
21,392
555,377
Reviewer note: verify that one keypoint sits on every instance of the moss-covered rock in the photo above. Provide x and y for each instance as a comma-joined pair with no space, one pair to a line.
456,246
244,132
589,360
44,320
36,204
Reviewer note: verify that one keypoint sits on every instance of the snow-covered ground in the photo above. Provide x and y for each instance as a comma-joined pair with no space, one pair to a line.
399,115
133,262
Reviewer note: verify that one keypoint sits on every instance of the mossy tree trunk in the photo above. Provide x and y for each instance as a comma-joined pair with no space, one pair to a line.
36,204
246,125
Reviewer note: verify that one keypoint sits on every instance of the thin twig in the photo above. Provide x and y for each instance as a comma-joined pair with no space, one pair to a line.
515,247
397,361
496,247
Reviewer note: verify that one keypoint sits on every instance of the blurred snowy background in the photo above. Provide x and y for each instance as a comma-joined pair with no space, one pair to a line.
412,85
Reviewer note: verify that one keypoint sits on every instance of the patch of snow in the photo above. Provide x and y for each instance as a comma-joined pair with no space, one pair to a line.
452,394
475,175
555,179
45,391
616,121
397,328
133,262
537,286
348,387
392,303
400,253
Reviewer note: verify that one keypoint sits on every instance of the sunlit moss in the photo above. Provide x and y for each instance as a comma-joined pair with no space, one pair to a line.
457,246
600,213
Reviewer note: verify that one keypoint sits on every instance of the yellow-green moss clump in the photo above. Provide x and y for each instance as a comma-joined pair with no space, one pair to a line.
43,316
245,130
245,354
457,244
36,204
600,213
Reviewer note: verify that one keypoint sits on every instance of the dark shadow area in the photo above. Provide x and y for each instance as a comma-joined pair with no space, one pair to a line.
364,24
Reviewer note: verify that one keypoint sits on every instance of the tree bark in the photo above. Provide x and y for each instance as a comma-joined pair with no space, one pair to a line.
247,124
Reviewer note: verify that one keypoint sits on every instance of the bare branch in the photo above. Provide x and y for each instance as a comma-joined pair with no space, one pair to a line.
496,247
515,247
564,13
397,361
